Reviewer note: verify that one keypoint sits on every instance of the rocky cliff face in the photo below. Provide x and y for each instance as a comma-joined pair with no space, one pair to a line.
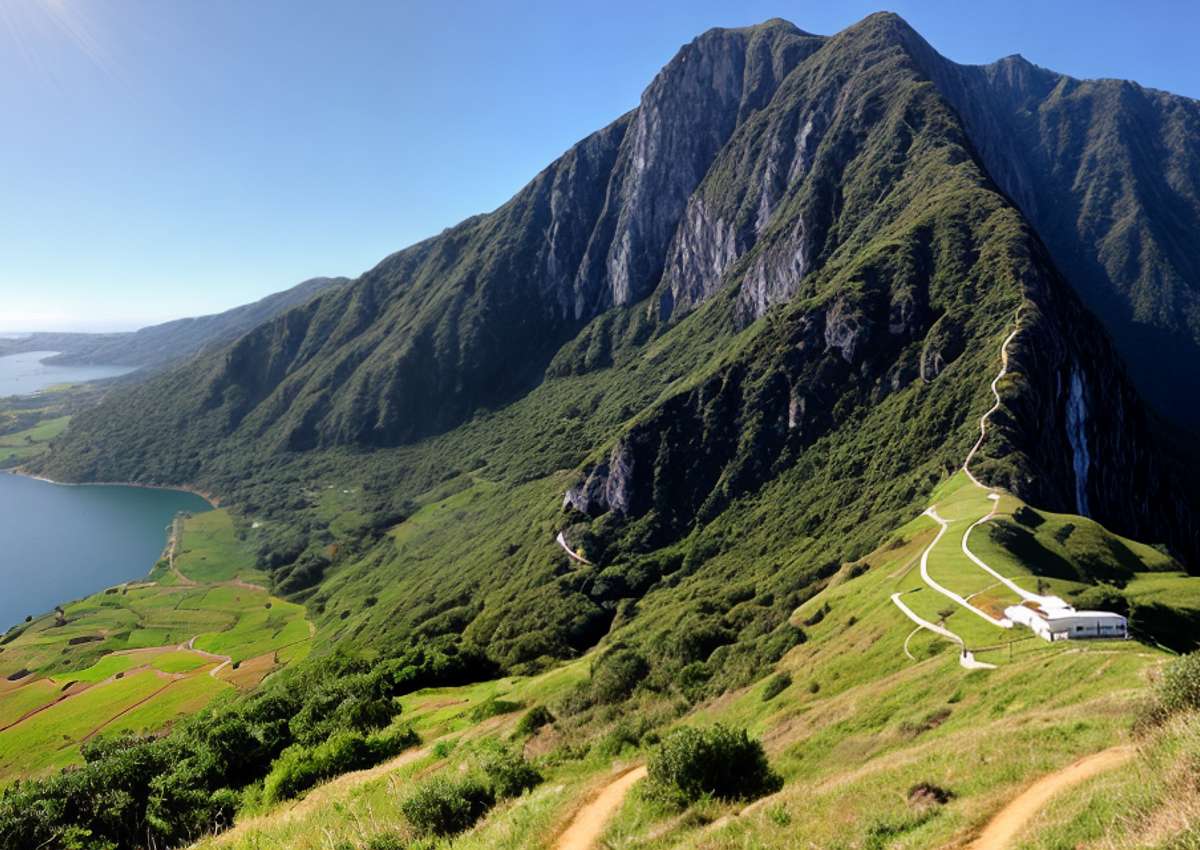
685,118
1076,438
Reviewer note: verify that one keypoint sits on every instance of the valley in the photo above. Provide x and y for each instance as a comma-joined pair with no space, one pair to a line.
784,465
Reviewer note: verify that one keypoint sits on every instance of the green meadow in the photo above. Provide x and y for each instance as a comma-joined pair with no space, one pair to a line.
20,446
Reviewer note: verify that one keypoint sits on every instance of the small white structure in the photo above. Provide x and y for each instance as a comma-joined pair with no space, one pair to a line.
1056,620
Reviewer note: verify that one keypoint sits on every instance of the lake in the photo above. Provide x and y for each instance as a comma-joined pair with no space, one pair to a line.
24,374
59,543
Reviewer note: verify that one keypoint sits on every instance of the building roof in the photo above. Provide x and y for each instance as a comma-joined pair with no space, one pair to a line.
1071,613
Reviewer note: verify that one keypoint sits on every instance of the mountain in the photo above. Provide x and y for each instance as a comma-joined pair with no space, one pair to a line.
1108,172
778,286
776,402
158,345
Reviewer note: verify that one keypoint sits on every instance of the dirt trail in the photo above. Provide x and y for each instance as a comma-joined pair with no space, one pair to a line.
172,547
562,541
325,794
1005,826
589,822
224,659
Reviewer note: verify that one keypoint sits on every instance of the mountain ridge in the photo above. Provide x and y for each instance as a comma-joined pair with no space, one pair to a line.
156,346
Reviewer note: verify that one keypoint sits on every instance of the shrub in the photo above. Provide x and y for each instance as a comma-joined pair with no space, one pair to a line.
718,760
494,708
777,685
445,807
510,774
360,702
443,748
1180,687
385,841
626,733
575,701
299,767
616,674
533,720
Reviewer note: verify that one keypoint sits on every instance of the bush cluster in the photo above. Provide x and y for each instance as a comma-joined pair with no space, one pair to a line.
510,774
777,685
1180,688
533,720
723,762
443,806
300,767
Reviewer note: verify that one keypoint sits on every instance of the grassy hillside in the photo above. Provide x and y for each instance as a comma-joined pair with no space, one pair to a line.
871,709
740,444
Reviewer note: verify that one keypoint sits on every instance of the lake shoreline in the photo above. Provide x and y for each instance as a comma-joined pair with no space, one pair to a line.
213,501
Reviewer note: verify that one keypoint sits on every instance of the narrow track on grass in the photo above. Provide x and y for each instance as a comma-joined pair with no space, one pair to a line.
587,826
65,695
325,793
1001,622
992,493
1009,821
172,548
562,541
983,420
975,559
96,731
319,796
965,657
224,659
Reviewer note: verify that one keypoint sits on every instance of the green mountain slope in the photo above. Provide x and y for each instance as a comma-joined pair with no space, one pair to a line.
757,420
1109,174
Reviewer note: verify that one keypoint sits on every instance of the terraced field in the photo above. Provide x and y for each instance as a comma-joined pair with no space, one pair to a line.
137,656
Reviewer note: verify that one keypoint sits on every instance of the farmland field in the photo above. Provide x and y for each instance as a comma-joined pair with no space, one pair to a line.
137,656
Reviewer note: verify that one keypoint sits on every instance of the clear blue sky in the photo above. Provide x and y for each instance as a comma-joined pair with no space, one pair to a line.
160,159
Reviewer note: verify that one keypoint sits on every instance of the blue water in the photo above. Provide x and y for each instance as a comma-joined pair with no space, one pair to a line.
25,374
59,543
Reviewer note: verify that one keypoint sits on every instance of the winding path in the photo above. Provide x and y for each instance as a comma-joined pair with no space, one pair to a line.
965,657
975,559
966,467
562,541
585,828
994,495
1009,821
1002,622
224,659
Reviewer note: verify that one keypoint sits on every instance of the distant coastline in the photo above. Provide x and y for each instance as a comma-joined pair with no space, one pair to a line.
213,501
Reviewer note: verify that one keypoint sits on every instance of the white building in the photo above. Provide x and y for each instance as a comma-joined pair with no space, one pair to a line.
1062,622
